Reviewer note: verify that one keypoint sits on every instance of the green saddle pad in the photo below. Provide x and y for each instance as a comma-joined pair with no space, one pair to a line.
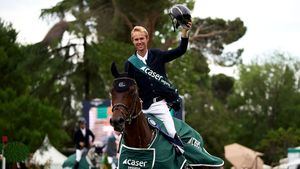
195,153
69,163
160,154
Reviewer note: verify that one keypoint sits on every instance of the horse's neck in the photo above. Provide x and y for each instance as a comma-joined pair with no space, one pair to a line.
138,134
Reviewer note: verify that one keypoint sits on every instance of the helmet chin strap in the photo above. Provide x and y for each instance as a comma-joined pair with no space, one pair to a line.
174,22
185,27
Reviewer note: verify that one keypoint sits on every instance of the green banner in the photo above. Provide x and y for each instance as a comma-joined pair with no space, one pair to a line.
102,113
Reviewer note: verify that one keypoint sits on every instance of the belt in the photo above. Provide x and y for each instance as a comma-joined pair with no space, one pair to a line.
157,99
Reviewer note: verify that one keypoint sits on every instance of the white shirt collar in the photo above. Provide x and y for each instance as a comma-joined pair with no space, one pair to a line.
83,131
143,58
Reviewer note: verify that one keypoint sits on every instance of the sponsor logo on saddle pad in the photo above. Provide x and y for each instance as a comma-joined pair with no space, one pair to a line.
194,142
135,163
136,158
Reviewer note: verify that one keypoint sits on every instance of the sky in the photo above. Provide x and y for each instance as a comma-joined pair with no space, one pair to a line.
271,24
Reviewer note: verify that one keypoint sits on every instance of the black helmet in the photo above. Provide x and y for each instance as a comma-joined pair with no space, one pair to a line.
81,120
180,16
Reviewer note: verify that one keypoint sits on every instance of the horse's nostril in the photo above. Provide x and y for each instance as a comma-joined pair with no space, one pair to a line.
117,121
121,120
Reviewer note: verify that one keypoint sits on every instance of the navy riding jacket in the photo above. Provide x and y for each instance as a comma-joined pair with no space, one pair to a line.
79,137
149,88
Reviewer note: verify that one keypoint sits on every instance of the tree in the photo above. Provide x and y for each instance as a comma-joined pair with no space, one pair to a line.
204,112
276,143
211,35
117,18
15,152
222,86
24,118
266,97
10,56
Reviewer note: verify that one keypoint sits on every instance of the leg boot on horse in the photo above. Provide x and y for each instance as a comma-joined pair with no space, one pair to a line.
76,165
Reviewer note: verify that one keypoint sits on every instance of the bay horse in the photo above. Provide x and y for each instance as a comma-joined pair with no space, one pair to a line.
137,134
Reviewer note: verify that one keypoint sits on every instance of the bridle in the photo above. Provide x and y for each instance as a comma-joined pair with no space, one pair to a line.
129,112
127,117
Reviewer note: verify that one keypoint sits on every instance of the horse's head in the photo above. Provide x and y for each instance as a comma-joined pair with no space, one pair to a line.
126,104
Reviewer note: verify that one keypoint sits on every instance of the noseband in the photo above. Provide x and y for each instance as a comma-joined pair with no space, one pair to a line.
128,112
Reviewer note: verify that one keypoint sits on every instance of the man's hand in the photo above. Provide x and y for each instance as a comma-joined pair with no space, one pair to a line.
91,143
185,31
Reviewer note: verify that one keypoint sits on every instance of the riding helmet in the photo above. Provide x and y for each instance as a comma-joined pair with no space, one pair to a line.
180,16
81,120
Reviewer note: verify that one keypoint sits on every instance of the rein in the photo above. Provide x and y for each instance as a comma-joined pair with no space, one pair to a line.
127,105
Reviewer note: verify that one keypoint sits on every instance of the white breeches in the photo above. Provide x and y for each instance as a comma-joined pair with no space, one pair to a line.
161,111
79,153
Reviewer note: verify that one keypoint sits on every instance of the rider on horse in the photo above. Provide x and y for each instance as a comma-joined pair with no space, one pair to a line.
82,140
147,67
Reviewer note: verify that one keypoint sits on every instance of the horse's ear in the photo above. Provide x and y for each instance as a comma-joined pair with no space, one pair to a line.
114,70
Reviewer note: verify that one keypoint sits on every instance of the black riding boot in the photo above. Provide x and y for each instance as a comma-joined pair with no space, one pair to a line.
76,165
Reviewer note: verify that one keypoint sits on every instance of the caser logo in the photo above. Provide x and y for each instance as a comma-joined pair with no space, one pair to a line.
136,163
151,73
155,75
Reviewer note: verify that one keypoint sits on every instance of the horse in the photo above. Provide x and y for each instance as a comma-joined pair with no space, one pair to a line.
140,140
92,158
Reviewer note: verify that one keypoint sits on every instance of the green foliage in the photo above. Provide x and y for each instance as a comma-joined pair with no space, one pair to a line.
189,72
222,86
266,97
226,31
27,120
204,113
10,57
210,118
210,36
276,143
105,54
23,118
15,152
